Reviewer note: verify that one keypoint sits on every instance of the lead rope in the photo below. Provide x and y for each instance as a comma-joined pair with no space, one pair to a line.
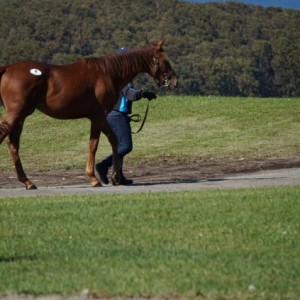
137,118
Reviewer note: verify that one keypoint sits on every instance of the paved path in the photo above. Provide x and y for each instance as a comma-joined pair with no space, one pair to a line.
284,177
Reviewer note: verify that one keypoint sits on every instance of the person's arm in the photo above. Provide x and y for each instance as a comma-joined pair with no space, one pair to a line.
133,94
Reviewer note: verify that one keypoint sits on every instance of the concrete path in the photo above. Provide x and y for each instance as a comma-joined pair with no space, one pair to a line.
283,177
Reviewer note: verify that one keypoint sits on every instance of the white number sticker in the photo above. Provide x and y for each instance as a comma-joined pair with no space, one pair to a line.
36,72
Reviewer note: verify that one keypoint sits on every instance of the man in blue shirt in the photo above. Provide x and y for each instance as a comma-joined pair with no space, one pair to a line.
119,121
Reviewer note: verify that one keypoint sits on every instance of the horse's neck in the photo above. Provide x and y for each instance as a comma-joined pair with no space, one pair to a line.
139,66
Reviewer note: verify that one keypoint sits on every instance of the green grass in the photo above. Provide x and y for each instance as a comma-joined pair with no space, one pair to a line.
224,128
208,244
178,128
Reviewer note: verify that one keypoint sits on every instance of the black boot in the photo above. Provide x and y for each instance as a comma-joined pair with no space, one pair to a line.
102,171
123,180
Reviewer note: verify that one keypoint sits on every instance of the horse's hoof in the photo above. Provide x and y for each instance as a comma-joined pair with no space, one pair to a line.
115,181
31,187
96,184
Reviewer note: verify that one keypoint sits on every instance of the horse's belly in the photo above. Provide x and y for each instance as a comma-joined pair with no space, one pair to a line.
65,109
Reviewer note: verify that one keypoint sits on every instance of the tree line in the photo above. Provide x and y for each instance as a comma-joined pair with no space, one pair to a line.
229,49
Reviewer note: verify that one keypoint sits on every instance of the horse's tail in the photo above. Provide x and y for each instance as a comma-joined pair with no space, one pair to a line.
4,126
2,71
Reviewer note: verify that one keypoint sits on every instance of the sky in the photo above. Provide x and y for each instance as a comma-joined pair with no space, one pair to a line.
266,3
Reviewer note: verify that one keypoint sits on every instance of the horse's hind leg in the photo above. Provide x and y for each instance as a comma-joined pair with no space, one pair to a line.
93,146
112,138
5,129
13,142
99,124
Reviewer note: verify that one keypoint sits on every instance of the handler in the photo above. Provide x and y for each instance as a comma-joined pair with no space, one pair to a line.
119,120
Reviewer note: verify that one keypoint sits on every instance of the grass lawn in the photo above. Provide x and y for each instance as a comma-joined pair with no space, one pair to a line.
233,244
178,127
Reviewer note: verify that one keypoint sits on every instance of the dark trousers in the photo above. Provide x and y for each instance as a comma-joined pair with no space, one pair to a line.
120,124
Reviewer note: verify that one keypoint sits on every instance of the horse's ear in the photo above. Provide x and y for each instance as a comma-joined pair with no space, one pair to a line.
159,44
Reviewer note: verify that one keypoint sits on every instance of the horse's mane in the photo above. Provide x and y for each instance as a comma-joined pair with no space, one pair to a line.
132,60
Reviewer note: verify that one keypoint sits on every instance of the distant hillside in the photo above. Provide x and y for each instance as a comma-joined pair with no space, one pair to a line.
216,48
293,4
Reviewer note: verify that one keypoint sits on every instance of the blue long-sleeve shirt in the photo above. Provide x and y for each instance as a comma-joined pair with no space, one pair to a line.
127,95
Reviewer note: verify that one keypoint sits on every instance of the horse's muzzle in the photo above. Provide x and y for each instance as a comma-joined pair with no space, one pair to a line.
168,82
173,82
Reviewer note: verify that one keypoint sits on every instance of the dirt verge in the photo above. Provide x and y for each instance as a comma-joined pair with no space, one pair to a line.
155,171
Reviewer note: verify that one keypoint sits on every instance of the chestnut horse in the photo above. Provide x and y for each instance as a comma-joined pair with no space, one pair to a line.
88,88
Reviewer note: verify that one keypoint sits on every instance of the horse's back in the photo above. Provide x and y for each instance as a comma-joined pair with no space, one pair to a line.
44,84
32,71
23,76
21,84
27,69
61,91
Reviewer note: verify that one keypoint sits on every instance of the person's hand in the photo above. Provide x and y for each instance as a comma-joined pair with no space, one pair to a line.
149,95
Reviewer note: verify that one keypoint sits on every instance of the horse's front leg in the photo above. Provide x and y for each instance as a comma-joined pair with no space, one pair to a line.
93,145
112,138
13,142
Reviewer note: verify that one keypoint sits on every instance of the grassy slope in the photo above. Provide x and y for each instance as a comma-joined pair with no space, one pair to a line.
178,127
201,128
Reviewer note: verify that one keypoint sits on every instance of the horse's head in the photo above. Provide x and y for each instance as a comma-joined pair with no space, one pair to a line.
161,69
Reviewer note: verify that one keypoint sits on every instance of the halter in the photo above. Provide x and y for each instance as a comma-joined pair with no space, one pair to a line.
166,80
